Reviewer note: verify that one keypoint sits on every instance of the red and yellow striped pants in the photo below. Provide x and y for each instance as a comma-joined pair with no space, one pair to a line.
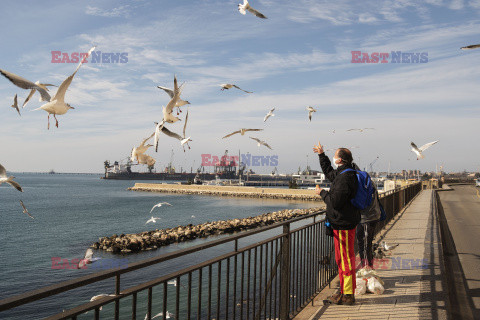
345,257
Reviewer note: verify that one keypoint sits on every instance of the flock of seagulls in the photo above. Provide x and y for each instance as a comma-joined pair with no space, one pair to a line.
55,105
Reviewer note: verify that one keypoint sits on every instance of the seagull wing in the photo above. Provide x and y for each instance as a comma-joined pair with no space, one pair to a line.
171,134
231,134
427,145
235,86
173,102
185,125
3,172
146,139
167,90
473,46
258,140
154,207
32,92
60,94
253,129
158,128
15,185
256,13
414,146
88,254
266,145
24,83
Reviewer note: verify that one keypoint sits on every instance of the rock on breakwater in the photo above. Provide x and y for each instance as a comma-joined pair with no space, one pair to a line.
236,191
148,240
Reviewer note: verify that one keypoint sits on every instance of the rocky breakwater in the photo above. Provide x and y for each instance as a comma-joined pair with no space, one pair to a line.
150,240
235,191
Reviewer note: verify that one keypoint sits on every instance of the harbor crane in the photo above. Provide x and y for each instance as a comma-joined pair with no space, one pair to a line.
372,163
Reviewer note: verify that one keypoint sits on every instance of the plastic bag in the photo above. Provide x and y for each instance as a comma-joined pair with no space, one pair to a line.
374,285
361,286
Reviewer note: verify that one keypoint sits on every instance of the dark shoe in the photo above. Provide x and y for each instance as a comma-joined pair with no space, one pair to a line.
336,298
348,299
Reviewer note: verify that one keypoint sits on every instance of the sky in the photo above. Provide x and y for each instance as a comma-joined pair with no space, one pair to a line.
300,56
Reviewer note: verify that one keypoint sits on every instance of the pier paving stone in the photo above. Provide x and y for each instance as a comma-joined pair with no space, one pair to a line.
415,288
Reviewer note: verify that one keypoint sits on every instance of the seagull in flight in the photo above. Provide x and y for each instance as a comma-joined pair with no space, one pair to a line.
9,180
168,315
269,114
419,151
101,296
226,86
174,283
473,46
87,259
152,219
171,93
25,210
142,148
167,111
261,142
386,247
310,110
158,205
57,104
241,131
243,8
15,105
361,129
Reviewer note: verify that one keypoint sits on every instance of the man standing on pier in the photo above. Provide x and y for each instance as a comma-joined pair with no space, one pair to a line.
343,217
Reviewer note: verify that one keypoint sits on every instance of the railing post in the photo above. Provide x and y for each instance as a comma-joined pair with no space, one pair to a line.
285,275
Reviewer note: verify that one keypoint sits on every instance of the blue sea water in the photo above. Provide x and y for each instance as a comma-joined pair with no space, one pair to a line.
72,211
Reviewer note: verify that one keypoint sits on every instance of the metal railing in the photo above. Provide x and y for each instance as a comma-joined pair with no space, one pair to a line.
268,279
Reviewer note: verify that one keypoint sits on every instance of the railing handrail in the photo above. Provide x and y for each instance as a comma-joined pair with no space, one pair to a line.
67,285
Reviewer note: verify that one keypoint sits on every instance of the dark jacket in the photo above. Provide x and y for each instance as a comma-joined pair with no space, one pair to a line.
340,211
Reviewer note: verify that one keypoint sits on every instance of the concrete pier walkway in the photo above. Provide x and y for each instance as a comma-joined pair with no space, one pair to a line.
414,285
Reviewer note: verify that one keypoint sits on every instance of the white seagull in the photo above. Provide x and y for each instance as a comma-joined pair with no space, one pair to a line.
310,110
167,111
25,210
269,114
261,142
9,180
386,247
168,315
419,151
15,105
473,46
158,205
170,92
226,86
146,159
101,296
88,258
32,92
246,7
57,105
152,219
241,131
142,148
174,283
360,129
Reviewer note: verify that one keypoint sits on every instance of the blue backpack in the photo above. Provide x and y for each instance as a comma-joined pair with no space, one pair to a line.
365,191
